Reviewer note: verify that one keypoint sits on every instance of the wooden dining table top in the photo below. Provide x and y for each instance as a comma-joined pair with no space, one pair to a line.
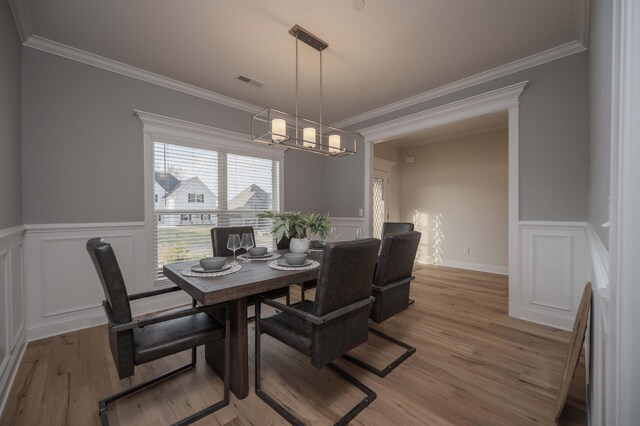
255,277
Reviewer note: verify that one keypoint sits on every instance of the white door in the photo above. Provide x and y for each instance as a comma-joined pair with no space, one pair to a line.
380,185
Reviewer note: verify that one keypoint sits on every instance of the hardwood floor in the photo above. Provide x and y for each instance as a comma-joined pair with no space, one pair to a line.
473,365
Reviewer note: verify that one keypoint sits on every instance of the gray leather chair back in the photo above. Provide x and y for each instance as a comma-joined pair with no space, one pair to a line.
346,274
397,257
104,260
344,278
396,227
115,292
220,236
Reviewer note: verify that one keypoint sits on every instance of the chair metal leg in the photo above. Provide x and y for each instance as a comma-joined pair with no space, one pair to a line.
410,350
370,395
102,405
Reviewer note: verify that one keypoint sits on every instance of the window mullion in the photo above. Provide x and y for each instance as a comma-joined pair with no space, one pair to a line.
223,189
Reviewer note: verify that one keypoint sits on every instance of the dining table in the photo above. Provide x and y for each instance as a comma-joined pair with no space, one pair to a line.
236,289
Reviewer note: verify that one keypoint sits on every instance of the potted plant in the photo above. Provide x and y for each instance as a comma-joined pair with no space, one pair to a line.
294,226
319,224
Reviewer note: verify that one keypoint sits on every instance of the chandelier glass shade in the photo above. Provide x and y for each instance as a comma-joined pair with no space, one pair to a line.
271,126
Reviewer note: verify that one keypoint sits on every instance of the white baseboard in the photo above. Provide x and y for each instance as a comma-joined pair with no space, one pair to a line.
501,270
11,369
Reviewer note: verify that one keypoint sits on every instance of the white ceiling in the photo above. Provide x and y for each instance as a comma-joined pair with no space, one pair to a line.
458,129
385,52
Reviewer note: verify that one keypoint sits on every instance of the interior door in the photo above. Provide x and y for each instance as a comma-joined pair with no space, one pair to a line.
380,184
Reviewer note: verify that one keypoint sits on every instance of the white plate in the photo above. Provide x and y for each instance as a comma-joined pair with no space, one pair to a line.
200,269
284,263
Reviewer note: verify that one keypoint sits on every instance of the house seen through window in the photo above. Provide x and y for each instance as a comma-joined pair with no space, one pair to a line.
196,189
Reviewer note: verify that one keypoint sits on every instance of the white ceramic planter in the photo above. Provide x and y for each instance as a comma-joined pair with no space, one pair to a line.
299,245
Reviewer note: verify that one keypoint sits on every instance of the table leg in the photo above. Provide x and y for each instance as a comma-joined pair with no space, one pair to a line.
214,352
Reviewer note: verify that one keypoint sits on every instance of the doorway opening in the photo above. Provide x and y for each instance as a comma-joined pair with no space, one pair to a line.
451,182
503,99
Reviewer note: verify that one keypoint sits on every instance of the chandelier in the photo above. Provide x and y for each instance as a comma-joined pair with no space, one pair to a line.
277,127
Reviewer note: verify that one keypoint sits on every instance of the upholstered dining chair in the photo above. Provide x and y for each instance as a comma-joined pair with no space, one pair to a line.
330,326
396,227
391,291
219,237
139,341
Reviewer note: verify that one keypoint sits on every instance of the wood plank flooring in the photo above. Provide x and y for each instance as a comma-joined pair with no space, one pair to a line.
474,365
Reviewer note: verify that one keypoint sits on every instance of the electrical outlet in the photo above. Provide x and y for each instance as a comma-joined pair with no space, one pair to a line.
467,250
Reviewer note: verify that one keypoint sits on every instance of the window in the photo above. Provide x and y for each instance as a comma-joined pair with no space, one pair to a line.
196,198
205,188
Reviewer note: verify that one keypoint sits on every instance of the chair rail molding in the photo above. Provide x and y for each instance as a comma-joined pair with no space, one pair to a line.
61,284
12,299
506,98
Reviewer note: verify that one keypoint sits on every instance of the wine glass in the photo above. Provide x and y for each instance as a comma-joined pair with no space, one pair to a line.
333,233
247,243
233,244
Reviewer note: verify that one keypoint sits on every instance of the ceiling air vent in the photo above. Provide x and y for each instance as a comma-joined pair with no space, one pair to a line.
251,81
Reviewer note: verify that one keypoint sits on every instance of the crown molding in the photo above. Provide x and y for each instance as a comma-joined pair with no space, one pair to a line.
88,58
485,103
20,14
483,77
25,29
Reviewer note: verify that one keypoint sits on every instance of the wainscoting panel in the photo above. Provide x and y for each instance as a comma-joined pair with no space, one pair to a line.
554,268
348,226
12,336
62,287
64,260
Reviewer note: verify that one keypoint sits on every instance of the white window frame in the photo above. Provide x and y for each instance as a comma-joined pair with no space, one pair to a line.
158,128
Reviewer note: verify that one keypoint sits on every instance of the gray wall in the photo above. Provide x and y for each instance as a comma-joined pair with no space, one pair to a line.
344,180
600,45
304,182
83,147
554,147
10,164
465,180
